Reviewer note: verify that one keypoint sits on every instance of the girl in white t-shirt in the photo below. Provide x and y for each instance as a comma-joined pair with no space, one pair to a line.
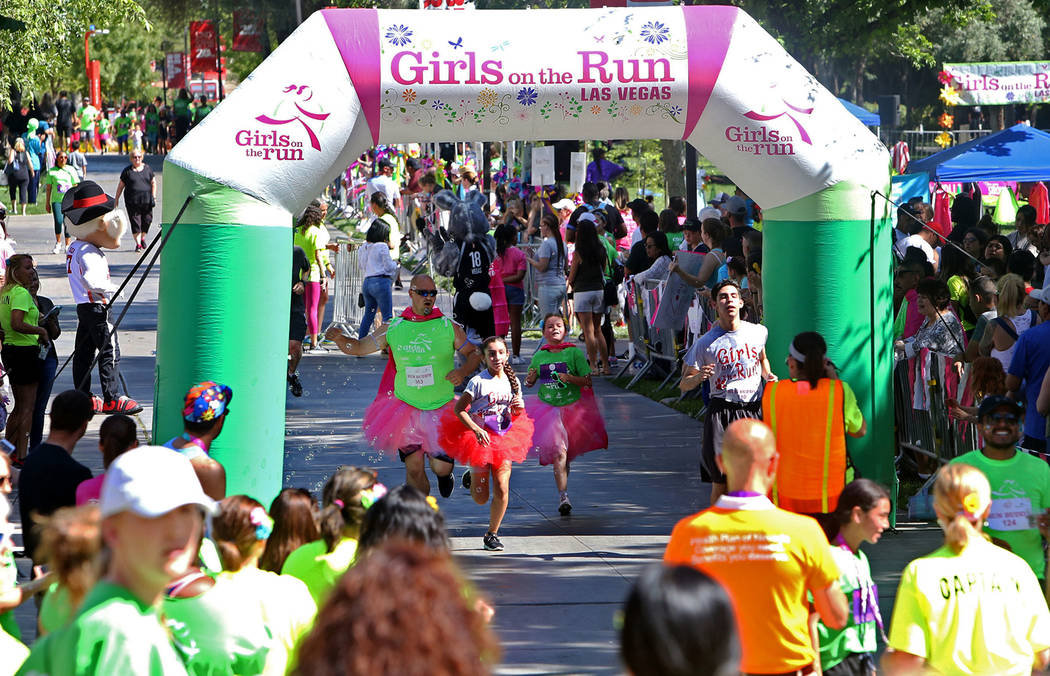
489,430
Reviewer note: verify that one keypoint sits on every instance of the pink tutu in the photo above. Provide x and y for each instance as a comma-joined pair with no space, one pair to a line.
460,443
391,424
579,427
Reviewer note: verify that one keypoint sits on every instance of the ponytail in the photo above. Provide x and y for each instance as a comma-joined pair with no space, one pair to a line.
863,493
961,496
342,508
237,528
811,347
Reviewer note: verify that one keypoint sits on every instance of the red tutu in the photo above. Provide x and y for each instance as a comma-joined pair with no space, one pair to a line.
459,441
578,428
391,424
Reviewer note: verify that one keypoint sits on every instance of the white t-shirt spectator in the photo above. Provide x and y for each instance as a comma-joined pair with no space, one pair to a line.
918,242
737,356
374,259
385,185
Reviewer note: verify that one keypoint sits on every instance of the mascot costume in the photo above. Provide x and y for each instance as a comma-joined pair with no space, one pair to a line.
466,252
97,224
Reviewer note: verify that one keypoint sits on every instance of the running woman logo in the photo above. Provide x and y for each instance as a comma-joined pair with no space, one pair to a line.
296,106
762,140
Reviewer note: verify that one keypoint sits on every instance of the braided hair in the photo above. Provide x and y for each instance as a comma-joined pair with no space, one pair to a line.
508,370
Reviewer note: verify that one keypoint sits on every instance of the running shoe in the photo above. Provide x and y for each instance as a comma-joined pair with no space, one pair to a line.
96,403
125,405
517,361
447,484
564,506
492,542
58,248
466,479
295,384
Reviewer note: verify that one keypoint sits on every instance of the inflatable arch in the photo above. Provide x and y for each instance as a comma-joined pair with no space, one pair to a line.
348,79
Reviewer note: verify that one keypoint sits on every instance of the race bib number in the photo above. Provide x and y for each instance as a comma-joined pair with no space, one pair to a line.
419,376
1011,514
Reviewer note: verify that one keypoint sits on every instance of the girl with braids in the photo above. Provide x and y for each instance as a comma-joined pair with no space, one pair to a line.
240,530
969,607
567,421
811,414
861,515
488,430
344,500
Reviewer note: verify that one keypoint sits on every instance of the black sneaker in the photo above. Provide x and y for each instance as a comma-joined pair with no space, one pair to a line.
447,484
295,384
492,542
564,506
466,479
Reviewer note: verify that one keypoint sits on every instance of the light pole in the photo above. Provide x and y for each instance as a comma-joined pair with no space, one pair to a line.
93,68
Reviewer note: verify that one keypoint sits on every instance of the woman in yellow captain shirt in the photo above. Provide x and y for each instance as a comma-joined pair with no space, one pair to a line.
970,607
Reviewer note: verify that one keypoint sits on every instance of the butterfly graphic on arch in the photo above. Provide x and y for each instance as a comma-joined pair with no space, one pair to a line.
457,44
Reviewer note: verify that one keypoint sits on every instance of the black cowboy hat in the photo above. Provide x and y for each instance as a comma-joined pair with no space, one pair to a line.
85,202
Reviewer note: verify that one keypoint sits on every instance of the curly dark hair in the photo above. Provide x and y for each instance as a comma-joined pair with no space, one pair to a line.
422,624
936,291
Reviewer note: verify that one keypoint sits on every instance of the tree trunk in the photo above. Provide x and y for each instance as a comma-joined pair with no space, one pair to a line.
673,153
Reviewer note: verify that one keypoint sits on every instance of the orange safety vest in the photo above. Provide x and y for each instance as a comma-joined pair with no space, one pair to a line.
810,429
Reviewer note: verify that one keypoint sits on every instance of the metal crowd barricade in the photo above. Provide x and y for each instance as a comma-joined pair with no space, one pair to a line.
530,313
651,344
346,287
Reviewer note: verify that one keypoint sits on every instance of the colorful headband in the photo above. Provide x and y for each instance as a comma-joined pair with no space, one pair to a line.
369,496
206,401
263,523
338,503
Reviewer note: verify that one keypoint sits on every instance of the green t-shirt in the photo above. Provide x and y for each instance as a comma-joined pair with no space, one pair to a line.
56,609
87,117
220,632
121,125
553,391
181,108
201,112
318,568
859,634
62,179
152,123
675,239
8,581
1020,492
18,298
313,240
113,633
424,353
103,125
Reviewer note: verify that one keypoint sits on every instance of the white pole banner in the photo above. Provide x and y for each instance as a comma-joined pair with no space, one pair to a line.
543,165
677,296
577,171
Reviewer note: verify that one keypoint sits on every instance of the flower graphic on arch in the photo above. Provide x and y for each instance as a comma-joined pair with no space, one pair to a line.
674,111
636,109
487,97
526,96
523,115
409,95
399,35
438,104
654,32
596,110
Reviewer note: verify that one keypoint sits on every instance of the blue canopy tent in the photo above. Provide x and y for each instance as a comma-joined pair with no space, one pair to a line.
1019,153
869,119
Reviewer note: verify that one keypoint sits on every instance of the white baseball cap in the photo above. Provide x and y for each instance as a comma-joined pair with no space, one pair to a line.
710,212
151,481
564,203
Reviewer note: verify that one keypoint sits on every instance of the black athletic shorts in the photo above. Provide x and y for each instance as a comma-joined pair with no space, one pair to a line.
720,413
415,448
22,363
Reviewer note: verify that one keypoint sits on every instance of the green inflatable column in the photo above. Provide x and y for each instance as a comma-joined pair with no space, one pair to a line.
223,316
829,271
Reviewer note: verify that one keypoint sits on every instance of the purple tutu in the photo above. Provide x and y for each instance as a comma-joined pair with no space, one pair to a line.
578,428
391,424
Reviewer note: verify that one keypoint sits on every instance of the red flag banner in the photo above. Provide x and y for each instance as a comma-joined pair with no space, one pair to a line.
202,46
247,31
175,69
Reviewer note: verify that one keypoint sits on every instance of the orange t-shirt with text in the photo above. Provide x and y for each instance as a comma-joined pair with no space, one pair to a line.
767,559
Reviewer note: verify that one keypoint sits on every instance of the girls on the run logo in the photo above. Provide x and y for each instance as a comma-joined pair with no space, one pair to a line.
293,107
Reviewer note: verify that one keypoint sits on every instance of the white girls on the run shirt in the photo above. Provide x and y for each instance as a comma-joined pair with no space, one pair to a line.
737,357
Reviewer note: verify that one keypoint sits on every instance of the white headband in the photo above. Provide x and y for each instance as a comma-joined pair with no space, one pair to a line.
795,354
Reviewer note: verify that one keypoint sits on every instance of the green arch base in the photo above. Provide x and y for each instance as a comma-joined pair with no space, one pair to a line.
224,287
831,273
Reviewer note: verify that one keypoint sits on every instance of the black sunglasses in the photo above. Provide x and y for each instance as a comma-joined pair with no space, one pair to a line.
425,293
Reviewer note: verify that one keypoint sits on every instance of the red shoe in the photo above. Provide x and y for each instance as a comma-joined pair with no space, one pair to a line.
124,405
97,403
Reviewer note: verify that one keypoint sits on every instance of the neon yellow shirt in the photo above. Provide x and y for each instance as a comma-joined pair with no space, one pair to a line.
318,568
978,612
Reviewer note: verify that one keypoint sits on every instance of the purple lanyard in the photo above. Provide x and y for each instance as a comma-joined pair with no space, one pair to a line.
866,589
744,494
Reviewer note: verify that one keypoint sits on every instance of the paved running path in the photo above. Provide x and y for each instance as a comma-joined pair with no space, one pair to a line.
561,580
